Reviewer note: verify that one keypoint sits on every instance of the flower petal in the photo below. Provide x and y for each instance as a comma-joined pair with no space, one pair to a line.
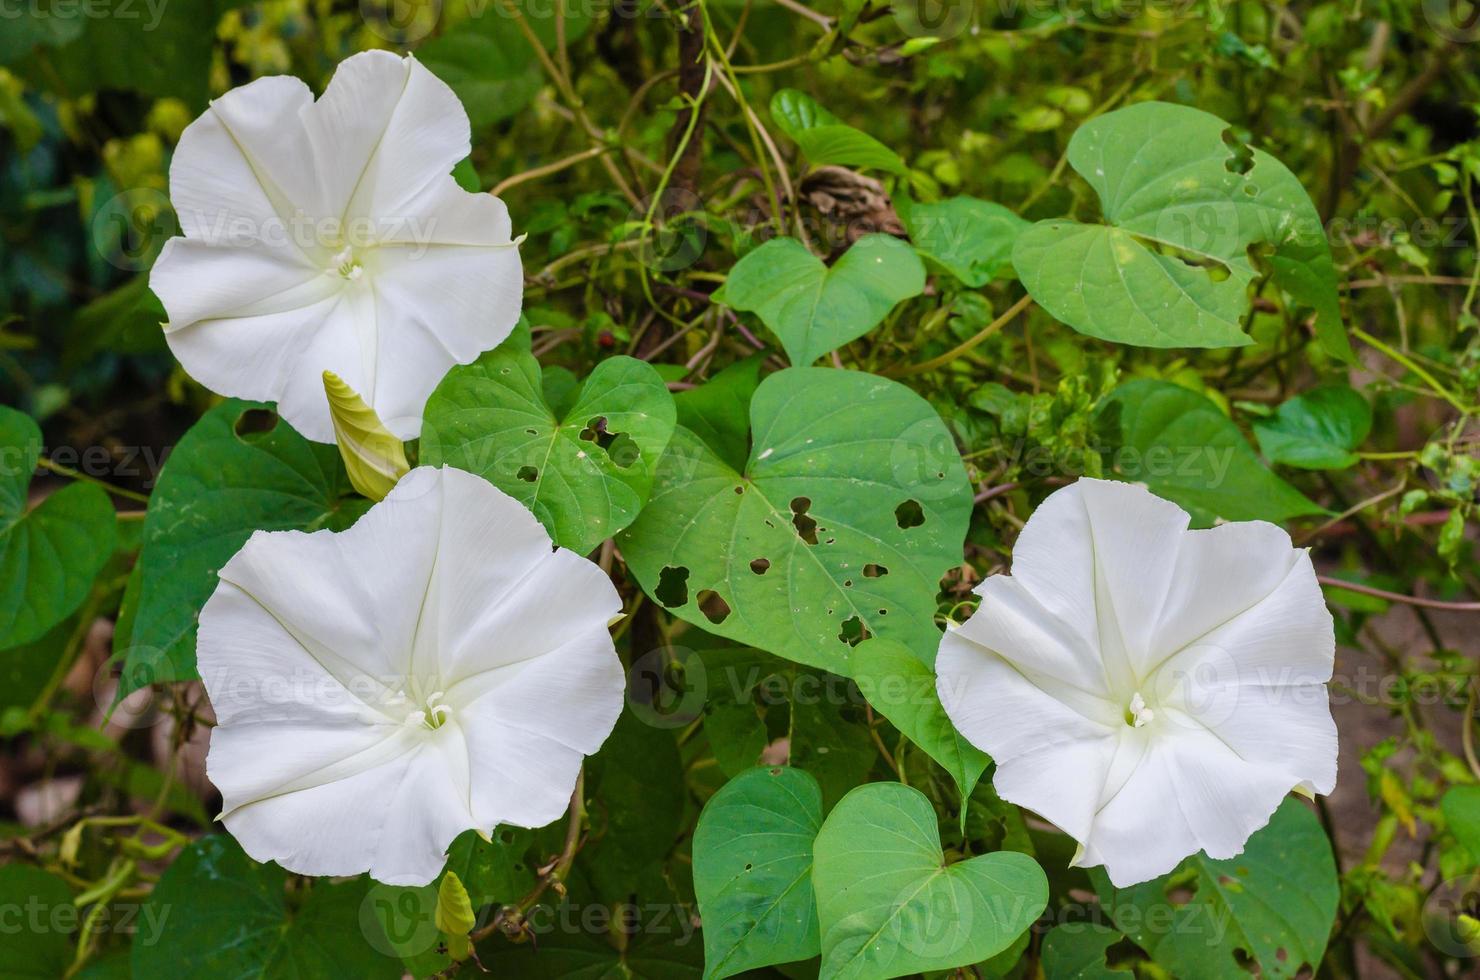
1100,555
395,820
528,732
244,170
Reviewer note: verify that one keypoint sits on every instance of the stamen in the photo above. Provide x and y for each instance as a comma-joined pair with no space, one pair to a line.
1137,715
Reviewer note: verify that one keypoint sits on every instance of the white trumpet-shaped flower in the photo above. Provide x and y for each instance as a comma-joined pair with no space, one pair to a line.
435,668
1152,690
331,236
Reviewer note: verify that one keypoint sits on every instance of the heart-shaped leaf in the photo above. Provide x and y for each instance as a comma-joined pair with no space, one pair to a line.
753,871
1181,446
888,903
1183,204
585,470
36,951
970,238
815,309
1272,907
825,138
1319,430
853,503
223,481
902,688
51,553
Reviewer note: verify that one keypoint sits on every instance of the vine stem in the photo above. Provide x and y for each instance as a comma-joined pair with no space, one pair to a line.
1413,366
72,474
1411,600
965,346
548,169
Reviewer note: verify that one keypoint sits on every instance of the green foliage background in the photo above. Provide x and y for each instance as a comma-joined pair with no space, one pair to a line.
716,196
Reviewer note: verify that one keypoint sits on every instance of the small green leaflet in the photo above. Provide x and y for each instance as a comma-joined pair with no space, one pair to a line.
1461,808
585,470
902,688
222,482
222,914
753,871
51,553
815,309
970,238
852,505
1319,430
1183,448
1274,904
889,905
825,138
1170,268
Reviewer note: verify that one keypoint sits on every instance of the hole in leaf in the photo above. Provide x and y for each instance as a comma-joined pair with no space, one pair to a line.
673,586
595,431
528,474
713,606
254,423
853,631
909,514
874,571
1251,190
506,837
806,526
531,432
739,489
623,450
1242,160
760,565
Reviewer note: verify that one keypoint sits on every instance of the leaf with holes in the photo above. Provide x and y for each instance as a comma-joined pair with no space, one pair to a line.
1171,266
1319,430
815,309
825,139
890,905
585,470
1076,951
753,871
853,503
902,688
969,238
1180,445
1272,907
224,480
50,553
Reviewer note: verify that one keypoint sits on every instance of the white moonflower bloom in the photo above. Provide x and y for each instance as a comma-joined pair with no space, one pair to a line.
1152,690
435,668
330,235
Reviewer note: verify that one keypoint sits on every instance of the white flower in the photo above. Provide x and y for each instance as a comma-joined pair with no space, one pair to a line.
1151,690
435,668
330,235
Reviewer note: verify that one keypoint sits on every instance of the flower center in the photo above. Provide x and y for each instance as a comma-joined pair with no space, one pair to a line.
1137,714
433,715
347,265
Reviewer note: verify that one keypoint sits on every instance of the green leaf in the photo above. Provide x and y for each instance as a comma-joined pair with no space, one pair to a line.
51,553
753,871
488,64
1317,430
222,482
718,411
124,321
1076,951
1461,808
32,945
494,871
161,49
902,688
586,470
825,139
666,952
888,903
852,505
1171,266
223,914
970,238
1181,446
1271,907
815,309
